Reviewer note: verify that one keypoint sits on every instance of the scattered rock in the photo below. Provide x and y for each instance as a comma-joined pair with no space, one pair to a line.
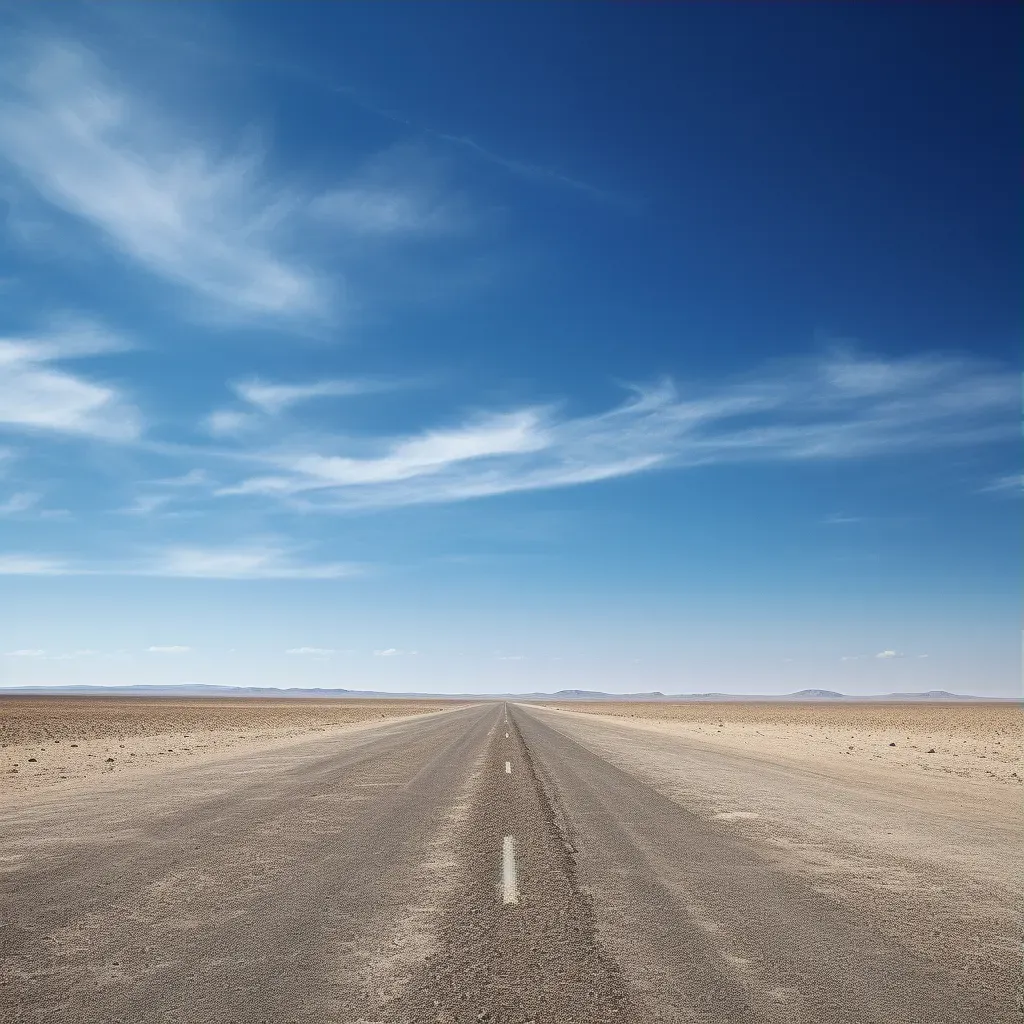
931,750
110,760
892,744
31,759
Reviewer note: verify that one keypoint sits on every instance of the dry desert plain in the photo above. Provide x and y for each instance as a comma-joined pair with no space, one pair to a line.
46,741
365,861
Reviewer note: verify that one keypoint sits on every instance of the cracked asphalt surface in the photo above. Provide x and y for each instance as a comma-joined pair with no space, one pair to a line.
356,879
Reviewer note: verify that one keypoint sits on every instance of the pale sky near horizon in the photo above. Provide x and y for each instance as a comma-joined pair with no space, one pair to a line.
486,348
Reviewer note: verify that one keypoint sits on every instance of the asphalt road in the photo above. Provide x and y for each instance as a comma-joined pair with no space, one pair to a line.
365,878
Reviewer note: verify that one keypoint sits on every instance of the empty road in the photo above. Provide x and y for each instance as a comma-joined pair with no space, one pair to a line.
496,863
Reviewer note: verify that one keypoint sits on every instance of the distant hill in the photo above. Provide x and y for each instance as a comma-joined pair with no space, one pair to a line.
212,690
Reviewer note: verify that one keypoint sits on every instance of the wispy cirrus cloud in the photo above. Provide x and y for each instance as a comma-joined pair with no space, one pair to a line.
265,400
532,171
397,194
252,562
89,146
33,565
272,398
38,393
1012,483
881,656
372,211
20,501
173,649
229,423
255,561
313,652
193,478
145,505
210,219
837,406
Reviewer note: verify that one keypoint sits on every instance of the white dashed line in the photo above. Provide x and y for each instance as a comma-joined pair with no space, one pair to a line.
508,767
509,888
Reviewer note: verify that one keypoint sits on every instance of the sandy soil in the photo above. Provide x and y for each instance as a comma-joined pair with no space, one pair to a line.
979,742
60,741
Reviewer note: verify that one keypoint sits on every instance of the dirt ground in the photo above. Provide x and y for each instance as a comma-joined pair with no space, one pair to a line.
976,741
60,741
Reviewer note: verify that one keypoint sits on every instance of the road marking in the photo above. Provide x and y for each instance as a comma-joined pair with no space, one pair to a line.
506,735
508,767
509,888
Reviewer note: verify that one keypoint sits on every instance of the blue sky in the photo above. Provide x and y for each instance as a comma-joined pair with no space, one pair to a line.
510,347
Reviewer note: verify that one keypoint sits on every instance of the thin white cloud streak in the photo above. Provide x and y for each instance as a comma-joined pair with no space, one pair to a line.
840,406
37,395
145,505
202,221
229,423
533,172
251,562
20,501
33,565
318,652
254,562
1012,483
386,212
173,649
886,655
273,399
193,478
25,653
266,400
519,168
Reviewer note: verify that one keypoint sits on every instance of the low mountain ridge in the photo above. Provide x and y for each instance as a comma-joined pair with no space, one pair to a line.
213,690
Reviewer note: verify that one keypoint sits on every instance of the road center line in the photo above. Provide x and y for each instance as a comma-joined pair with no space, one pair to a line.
508,767
509,887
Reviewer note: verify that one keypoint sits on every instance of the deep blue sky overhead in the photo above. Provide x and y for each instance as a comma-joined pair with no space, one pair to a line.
511,347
